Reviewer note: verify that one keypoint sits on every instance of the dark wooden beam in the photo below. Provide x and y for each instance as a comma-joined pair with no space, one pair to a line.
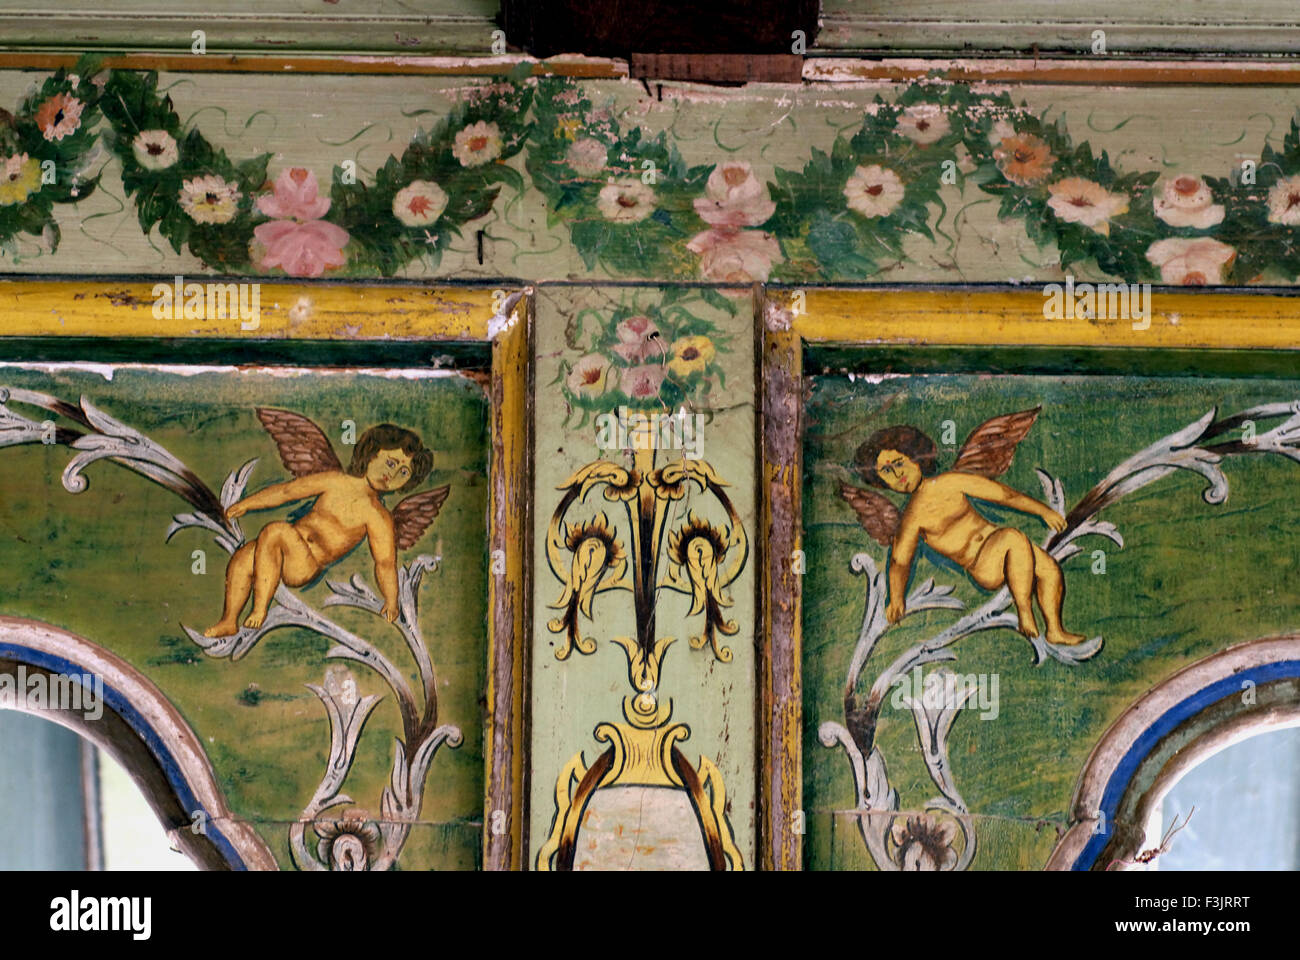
619,28
722,68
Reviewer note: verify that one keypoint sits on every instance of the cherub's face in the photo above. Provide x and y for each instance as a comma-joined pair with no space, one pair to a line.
389,470
899,471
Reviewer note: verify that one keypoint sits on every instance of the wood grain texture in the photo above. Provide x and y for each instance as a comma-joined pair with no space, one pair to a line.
1194,28
505,820
782,693
415,26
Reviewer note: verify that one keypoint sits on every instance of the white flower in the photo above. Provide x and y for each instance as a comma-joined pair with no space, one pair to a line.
1079,200
923,123
209,199
1284,202
477,144
419,203
587,156
626,201
1186,201
155,149
874,191
1191,262
734,197
1002,130
588,375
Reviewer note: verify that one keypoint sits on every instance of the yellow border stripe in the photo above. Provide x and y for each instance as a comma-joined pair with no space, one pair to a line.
1014,318
77,308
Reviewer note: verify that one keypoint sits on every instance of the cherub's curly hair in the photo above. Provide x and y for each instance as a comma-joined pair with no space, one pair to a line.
386,436
906,440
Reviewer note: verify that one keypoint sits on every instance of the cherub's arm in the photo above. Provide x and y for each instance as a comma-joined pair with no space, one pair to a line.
994,492
900,564
383,547
279,493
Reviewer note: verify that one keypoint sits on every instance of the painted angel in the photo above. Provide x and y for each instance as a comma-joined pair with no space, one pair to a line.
939,512
348,508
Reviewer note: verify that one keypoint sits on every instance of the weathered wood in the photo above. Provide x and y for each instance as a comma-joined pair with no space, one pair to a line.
725,68
424,26
781,824
619,28
1272,26
505,816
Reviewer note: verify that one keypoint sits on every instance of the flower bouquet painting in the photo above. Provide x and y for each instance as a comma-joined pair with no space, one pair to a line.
659,358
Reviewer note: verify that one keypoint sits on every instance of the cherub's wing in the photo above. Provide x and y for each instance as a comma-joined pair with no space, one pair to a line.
304,448
412,516
991,445
878,516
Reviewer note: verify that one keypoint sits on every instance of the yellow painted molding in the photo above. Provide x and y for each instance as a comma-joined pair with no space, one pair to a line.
509,593
1016,318
298,311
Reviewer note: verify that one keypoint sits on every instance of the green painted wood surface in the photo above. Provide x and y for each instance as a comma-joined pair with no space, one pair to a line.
281,27
1191,579
96,564
570,697
1191,27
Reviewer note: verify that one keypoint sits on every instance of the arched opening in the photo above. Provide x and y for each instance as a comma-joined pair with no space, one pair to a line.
1246,803
1200,711
69,680
67,805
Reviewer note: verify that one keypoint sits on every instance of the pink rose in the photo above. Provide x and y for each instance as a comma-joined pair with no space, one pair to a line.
735,256
734,197
298,241
295,197
637,338
643,382
302,249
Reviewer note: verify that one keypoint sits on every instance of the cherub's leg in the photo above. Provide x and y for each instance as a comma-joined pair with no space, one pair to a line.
1008,557
1049,585
239,584
281,553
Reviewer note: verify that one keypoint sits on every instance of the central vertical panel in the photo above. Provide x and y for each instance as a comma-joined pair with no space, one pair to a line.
643,690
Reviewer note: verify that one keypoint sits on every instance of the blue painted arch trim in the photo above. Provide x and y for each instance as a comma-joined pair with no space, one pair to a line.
1163,725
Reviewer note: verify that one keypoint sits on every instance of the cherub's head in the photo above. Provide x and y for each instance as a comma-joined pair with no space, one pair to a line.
897,458
391,458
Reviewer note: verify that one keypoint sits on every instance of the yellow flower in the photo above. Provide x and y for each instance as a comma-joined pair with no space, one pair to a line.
20,177
568,127
691,355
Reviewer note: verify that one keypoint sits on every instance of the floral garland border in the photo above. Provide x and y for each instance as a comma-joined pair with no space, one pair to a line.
631,204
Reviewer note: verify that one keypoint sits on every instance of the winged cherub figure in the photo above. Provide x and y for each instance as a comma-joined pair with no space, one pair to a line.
348,508
939,511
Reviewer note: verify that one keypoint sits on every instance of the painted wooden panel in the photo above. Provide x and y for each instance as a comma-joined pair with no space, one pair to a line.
1161,567
644,634
298,699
